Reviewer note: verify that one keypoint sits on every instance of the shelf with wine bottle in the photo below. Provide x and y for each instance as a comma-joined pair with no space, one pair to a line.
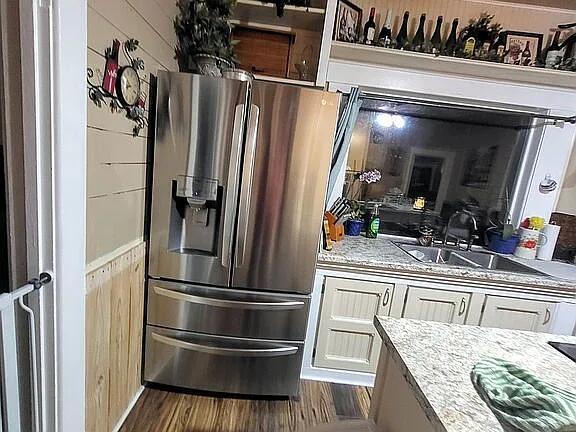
447,65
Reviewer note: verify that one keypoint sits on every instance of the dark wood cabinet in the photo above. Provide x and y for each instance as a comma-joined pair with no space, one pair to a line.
263,52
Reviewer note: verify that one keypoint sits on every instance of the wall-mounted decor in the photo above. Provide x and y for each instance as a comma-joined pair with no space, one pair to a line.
348,21
120,85
523,48
478,167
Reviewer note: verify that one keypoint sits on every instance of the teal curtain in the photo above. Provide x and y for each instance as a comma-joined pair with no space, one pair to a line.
346,124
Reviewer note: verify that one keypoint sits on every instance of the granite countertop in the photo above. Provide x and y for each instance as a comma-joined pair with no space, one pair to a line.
383,255
437,358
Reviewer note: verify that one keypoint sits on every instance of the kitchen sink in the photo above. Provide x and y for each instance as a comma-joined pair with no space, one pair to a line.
452,256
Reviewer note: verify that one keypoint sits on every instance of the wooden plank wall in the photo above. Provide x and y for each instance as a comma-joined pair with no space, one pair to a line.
116,162
114,323
516,16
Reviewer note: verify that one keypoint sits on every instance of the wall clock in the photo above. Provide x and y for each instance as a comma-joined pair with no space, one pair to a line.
128,86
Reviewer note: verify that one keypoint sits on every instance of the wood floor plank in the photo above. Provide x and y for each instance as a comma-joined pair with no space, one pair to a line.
318,403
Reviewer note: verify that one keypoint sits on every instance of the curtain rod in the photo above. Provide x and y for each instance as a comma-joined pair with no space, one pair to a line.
404,99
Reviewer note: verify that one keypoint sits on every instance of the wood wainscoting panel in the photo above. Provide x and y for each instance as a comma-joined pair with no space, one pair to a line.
119,337
98,349
114,328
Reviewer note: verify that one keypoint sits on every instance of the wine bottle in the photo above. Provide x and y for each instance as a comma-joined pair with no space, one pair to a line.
385,36
526,55
452,41
370,28
436,40
402,36
554,53
418,41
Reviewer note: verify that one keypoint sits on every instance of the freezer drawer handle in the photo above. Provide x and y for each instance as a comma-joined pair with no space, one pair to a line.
236,304
231,352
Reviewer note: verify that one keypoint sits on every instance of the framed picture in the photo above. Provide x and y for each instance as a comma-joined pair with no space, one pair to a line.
523,48
348,21
478,167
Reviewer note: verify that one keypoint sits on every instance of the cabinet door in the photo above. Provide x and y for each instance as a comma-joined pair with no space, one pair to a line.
347,338
430,304
517,314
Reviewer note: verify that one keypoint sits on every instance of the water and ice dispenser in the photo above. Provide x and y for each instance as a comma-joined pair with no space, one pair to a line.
195,215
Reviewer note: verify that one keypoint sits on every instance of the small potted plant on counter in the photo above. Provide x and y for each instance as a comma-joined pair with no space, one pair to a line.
501,236
353,226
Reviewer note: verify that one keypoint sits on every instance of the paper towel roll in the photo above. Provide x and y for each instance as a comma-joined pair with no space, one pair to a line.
546,251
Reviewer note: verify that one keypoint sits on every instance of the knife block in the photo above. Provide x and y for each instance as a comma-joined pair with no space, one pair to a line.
336,229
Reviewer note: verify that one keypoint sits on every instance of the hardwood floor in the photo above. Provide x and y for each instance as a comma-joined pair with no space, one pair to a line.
318,403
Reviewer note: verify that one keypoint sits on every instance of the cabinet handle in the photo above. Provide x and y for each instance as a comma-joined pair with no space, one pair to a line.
547,316
386,297
462,307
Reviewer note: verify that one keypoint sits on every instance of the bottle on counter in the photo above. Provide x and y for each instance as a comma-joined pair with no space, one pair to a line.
373,225
419,38
436,41
370,28
402,36
385,36
452,41
526,55
555,53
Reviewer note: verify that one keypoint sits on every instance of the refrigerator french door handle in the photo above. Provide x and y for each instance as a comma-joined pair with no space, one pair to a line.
232,185
234,304
249,158
225,351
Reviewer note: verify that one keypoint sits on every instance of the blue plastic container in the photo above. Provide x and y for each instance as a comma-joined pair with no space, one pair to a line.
499,245
353,227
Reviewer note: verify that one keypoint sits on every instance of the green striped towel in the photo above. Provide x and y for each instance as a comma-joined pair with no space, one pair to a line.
520,400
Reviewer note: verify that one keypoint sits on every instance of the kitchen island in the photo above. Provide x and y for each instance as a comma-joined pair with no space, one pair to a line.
423,379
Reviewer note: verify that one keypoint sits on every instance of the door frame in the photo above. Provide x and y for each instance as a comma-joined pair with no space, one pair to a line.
53,33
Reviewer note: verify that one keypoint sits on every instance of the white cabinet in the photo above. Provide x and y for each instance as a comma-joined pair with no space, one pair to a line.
347,338
431,304
517,314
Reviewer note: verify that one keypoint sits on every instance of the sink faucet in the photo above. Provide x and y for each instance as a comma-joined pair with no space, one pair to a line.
465,217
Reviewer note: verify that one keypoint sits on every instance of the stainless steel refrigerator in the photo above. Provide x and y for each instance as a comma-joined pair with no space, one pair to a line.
239,183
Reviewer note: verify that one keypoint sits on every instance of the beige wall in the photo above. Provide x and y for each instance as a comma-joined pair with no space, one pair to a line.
567,201
116,162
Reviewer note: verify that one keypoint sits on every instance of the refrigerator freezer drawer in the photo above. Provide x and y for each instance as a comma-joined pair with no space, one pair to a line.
222,364
227,312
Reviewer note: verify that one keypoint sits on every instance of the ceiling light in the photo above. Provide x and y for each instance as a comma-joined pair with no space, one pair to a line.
385,120
398,121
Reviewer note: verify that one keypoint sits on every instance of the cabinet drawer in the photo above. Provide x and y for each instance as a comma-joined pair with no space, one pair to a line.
431,304
222,364
227,312
517,314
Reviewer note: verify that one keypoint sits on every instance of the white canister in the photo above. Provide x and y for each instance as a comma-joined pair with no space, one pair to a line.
528,244
546,248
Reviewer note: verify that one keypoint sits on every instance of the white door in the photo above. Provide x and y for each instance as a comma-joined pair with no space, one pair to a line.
43,132
430,304
347,338
517,314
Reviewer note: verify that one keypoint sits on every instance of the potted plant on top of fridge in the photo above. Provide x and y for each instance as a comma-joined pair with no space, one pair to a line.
204,36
